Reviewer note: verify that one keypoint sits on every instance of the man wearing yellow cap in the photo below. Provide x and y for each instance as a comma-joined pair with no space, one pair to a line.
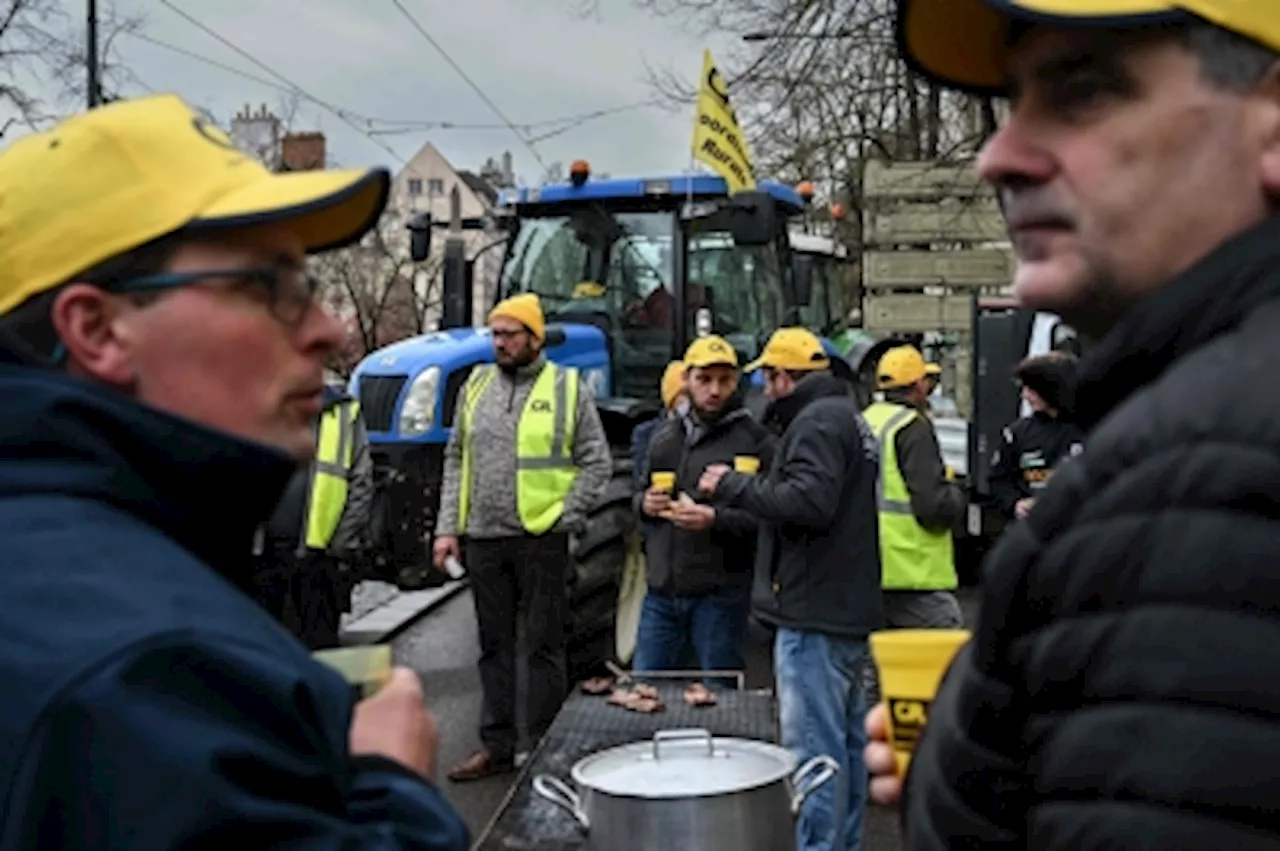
1121,684
817,573
699,557
675,402
525,462
161,369
919,506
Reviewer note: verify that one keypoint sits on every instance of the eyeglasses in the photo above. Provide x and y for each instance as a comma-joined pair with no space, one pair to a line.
508,335
288,293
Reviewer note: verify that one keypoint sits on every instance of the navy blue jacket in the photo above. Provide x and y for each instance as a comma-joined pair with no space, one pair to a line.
147,702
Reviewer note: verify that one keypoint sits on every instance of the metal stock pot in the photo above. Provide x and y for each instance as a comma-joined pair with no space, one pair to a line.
688,789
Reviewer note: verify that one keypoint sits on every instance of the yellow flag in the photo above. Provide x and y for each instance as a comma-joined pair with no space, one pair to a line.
717,138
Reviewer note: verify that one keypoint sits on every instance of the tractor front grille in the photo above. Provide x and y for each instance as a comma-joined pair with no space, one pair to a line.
378,394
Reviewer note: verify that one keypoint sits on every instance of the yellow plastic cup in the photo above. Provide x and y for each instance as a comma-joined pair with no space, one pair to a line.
911,663
747,464
663,482
366,669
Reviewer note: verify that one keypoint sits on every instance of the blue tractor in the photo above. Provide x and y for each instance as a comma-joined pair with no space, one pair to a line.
628,272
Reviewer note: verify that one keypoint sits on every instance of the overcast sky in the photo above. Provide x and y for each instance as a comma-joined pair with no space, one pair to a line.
535,59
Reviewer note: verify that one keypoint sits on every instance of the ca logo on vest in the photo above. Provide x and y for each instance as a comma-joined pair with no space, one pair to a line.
541,406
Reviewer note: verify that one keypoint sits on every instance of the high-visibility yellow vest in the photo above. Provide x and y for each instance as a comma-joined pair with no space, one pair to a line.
335,453
545,471
912,558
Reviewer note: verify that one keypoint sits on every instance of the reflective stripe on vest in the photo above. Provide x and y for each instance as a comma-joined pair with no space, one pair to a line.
335,452
912,558
545,471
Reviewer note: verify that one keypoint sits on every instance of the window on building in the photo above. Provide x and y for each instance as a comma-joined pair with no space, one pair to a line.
435,186
415,186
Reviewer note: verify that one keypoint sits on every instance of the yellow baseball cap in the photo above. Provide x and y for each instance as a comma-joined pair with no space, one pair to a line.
112,179
796,349
964,43
672,383
710,351
903,366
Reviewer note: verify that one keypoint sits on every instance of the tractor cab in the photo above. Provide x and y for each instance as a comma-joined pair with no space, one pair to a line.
648,265
819,264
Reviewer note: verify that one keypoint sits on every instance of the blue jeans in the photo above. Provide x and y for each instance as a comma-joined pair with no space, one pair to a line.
821,706
713,625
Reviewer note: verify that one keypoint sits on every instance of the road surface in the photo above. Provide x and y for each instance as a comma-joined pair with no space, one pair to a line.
443,647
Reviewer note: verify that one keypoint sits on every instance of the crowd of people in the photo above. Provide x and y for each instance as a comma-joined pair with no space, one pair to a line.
165,425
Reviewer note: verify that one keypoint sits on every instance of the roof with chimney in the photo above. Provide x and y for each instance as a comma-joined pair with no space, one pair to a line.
479,185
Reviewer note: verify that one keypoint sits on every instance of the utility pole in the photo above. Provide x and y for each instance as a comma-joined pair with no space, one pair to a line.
91,54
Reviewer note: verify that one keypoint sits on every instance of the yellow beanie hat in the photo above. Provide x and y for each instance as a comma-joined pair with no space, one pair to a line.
672,382
524,308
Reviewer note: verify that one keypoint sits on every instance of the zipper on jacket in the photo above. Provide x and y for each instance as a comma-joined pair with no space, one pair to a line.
686,447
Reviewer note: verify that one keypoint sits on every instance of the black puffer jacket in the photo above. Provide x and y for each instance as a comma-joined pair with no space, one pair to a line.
1123,687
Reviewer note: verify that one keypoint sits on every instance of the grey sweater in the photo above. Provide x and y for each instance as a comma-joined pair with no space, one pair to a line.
492,513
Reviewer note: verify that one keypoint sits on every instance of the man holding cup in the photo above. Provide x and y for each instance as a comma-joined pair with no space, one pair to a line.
818,571
161,368
1120,689
699,557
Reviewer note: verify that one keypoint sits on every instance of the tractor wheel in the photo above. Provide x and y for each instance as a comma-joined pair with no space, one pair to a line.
598,560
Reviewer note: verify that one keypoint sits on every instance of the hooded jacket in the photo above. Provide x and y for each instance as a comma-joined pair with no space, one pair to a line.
149,703
818,564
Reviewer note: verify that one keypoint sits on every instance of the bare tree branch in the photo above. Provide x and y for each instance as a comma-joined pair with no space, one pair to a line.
378,291
43,59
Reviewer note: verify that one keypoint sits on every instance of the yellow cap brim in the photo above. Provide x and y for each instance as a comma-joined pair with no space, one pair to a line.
703,364
932,369
809,366
963,44
328,209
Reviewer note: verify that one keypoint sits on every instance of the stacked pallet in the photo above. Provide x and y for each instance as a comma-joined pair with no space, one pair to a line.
934,239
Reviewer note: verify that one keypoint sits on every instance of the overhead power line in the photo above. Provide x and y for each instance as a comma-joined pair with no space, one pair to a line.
463,74
230,69
397,126
575,121
341,114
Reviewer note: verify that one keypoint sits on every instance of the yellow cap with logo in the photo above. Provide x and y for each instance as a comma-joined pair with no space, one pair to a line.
112,179
710,351
903,366
792,349
964,43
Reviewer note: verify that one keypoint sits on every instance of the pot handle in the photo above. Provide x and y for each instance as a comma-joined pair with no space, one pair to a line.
824,767
675,735
558,792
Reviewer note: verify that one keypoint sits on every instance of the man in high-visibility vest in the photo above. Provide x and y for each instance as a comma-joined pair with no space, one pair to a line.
526,461
918,503
318,533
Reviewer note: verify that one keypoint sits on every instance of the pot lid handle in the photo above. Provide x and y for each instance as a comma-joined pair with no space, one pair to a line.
678,735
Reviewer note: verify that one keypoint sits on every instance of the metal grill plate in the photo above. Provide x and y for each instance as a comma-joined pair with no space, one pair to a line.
587,725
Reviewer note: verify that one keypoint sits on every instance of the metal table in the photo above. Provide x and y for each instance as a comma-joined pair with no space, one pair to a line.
587,724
